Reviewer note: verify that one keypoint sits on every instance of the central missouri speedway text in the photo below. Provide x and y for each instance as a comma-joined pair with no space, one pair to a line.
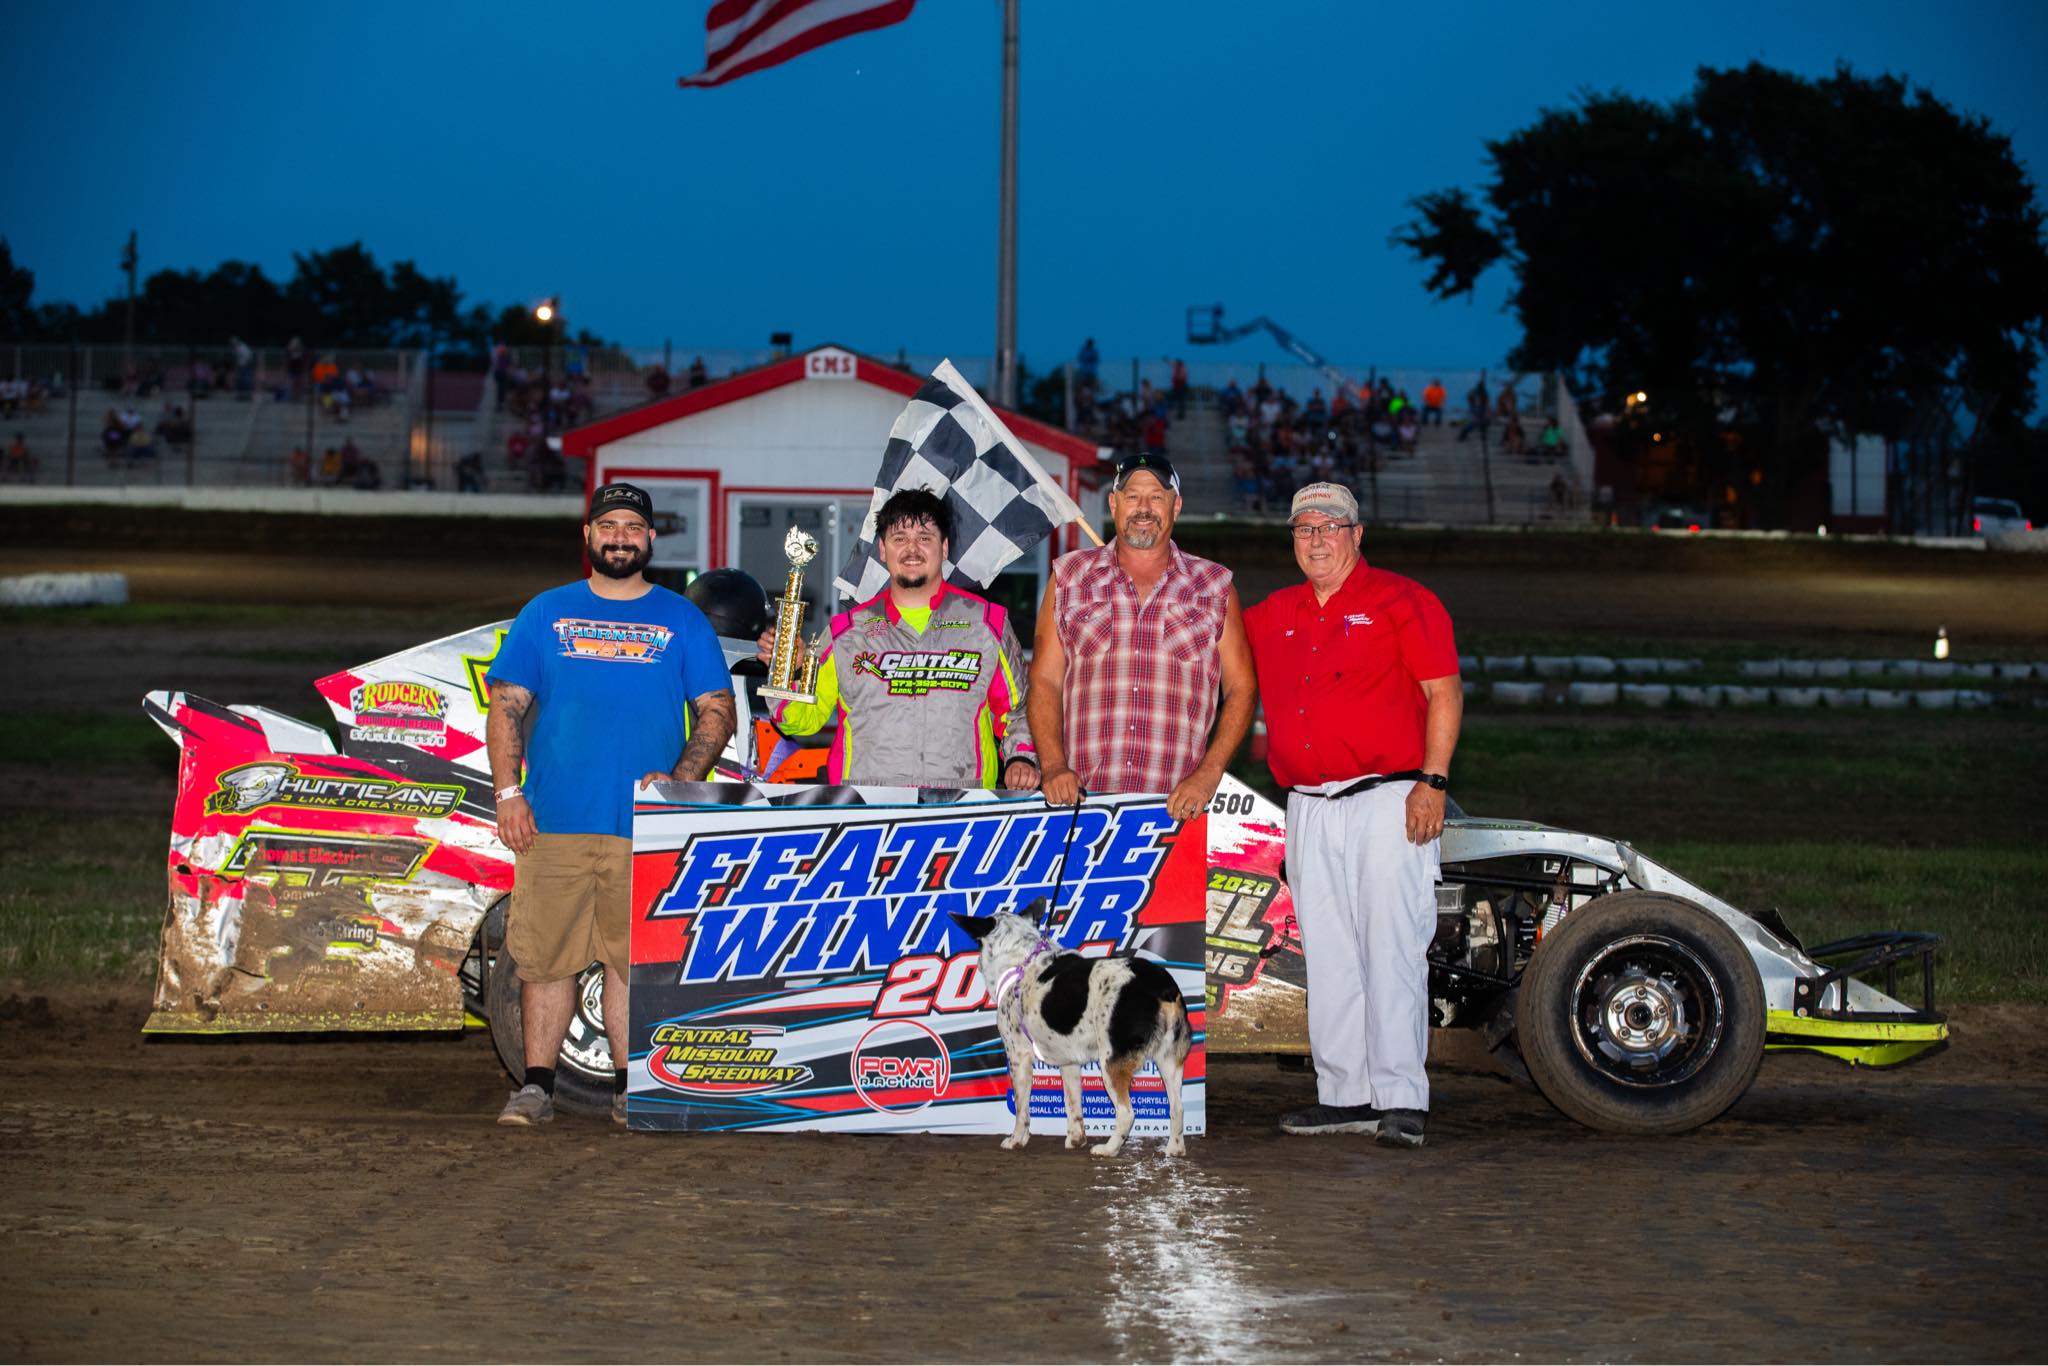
835,898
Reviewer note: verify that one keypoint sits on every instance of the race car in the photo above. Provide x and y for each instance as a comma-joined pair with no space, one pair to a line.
362,886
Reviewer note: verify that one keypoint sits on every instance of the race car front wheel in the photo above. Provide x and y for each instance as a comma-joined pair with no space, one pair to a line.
583,1074
1641,1013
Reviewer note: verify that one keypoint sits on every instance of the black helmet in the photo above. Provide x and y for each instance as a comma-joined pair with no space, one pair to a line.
734,601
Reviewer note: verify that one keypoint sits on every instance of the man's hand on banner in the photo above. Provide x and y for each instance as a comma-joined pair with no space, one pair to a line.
1190,796
1020,775
1061,786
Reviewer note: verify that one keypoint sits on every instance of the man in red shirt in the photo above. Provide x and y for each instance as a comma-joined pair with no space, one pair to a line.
1358,673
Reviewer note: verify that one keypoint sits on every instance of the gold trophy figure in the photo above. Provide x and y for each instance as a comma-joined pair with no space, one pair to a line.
786,683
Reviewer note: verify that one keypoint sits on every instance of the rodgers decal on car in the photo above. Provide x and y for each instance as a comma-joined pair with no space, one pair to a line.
250,787
399,711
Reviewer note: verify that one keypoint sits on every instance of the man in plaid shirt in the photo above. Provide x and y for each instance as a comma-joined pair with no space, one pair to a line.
1140,654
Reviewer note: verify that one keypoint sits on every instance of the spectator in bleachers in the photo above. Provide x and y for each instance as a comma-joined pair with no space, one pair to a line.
1560,490
299,467
1232,398
698,379
1179,390
1552,439
1513,440
113,439
1477,406
367,475
1433,397
1340,405
20,464
657,382
501,373
245,367
1261,390
1315,414
1269,411
1408,429
330,466
469,471
351,460
1508,405
1384,434
141,443
1245,481
517,446
295,366
13,396
1155,433
174,429
200,385
1087,362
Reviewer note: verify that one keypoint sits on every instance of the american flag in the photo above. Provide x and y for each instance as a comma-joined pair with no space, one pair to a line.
1003,503
746,35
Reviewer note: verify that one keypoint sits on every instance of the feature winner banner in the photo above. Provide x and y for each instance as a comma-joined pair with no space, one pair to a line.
796,966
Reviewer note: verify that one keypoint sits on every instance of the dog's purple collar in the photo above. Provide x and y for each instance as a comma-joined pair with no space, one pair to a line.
1009,983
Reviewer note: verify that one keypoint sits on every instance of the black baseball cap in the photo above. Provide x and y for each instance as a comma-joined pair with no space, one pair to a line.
1158,466
631,497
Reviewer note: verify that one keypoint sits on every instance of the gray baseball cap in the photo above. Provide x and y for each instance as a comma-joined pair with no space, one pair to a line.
1334,499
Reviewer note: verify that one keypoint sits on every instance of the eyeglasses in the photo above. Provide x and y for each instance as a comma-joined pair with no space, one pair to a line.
1308,531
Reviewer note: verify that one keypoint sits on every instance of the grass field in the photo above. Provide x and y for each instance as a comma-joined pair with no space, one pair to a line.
1844,821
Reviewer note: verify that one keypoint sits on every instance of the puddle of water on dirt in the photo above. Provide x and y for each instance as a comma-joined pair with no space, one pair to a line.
1173,1237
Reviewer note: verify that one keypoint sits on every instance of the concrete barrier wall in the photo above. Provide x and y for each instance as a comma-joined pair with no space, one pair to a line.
305,502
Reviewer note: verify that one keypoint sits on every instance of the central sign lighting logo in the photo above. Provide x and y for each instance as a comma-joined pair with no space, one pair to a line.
721,1060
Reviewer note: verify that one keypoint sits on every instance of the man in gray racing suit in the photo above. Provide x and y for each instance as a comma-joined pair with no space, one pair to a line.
926,678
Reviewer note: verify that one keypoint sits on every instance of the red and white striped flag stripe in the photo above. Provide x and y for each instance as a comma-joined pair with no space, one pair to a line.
745,35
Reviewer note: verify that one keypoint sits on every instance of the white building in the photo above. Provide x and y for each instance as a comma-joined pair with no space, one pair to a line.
797,442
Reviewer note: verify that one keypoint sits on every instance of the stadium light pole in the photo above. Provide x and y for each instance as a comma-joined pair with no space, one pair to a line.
1006,237
547,313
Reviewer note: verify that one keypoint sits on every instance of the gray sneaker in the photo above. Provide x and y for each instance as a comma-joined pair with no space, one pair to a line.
619,1110
529,1106
1401,1128
1331,1119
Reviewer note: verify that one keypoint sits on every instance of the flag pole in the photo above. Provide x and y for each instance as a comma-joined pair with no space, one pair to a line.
1006,231
957,382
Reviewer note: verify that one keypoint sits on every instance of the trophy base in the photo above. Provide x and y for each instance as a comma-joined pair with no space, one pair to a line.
788,695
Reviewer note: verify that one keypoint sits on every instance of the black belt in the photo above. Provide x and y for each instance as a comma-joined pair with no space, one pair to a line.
1366,784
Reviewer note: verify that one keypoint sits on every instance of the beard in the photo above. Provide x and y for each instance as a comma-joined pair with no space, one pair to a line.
606,561
1142,534
915,580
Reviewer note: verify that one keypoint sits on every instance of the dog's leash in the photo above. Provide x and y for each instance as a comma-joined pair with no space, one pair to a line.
1052,906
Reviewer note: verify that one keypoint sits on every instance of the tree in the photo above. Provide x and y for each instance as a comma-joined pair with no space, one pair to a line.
17,287
1769,252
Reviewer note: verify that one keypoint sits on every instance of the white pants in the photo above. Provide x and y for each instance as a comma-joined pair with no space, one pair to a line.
1365,899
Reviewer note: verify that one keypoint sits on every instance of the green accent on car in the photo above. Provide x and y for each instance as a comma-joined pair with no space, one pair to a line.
1862,1043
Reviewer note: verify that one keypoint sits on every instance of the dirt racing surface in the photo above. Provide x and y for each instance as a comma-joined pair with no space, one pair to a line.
351,1199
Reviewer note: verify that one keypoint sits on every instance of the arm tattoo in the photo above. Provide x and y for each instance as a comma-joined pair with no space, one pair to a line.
505,732
717,717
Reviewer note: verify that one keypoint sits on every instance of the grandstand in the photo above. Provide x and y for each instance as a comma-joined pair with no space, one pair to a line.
246,439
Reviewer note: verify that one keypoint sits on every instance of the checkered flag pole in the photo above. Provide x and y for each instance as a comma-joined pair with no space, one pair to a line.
1003,502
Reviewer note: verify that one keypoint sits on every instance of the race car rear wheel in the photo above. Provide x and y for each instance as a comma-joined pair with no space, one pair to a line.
583,1073
1641,1013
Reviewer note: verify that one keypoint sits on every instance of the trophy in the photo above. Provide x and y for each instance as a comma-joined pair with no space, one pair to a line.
785,682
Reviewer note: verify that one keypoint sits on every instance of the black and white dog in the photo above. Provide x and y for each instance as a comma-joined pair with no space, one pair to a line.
1068,1010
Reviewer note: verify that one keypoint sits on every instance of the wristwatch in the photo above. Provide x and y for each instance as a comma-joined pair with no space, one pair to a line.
1435,780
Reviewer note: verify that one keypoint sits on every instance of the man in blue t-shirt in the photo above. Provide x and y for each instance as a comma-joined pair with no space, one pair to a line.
598,685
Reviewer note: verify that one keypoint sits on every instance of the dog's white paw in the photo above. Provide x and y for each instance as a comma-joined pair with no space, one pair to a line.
1016,1140
1108,1147
1076,1136
1176,1147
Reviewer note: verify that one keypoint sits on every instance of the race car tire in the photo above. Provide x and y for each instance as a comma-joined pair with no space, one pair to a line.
1641,1013
583,1074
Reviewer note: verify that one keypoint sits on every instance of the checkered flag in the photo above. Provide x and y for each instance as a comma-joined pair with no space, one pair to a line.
1003,503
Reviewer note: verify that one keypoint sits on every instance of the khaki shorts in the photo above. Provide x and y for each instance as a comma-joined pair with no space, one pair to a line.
572,905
